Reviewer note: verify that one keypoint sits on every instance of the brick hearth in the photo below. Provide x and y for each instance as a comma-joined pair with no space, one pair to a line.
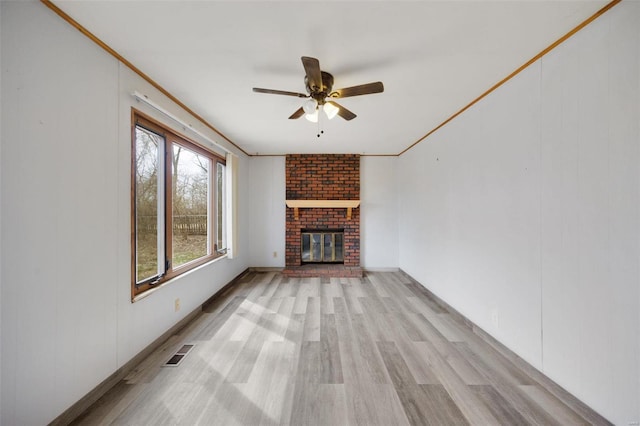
323,177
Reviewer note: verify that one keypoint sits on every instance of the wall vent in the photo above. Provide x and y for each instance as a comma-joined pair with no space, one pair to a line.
179,356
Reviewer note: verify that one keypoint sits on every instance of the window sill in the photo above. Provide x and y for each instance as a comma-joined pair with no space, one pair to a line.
152,290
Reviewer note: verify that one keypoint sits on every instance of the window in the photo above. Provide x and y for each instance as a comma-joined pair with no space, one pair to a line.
178,204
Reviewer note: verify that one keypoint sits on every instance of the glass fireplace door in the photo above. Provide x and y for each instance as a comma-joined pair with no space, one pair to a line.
322,247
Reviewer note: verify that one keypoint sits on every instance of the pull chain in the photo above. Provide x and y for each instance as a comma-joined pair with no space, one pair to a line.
320,132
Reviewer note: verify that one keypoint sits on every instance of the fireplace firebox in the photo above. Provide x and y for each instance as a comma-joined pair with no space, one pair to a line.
322,246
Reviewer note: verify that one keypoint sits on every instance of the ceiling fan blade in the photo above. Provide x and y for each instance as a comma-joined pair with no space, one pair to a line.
279,92
312,68
299,113
363,89
342,111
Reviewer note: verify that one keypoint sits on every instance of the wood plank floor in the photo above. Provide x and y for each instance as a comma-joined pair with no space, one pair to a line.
333,351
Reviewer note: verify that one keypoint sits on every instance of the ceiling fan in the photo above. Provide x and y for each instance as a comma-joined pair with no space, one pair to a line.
319,85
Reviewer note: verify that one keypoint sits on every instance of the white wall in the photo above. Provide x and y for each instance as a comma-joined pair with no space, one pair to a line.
589,199
268,209
379,213
2,107
67,318
522,213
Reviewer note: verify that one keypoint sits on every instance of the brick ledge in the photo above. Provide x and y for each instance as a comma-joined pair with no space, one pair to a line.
320,270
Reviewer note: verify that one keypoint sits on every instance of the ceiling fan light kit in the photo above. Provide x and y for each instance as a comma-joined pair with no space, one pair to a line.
330,109
319,85
313,117
310,106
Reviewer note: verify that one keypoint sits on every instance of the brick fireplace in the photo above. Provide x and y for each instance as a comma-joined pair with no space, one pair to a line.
331,177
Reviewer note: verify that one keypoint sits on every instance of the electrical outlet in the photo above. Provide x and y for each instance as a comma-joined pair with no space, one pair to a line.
275,254
177,305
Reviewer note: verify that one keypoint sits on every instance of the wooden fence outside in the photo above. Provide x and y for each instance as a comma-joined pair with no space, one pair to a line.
182,225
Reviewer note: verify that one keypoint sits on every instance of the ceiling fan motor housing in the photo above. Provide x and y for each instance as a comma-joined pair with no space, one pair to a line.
319,94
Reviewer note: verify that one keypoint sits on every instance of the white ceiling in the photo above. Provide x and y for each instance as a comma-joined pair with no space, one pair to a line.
434,57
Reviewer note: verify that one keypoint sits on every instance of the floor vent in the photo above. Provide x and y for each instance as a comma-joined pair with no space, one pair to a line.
179,356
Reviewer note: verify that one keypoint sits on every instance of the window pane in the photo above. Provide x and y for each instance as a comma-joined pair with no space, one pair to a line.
221,220
190,201
146,195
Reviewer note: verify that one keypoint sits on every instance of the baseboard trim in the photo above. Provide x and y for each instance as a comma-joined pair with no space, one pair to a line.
266,269
536,375
73,412
365,269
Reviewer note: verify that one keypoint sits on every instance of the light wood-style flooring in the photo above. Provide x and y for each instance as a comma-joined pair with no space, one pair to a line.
332,351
